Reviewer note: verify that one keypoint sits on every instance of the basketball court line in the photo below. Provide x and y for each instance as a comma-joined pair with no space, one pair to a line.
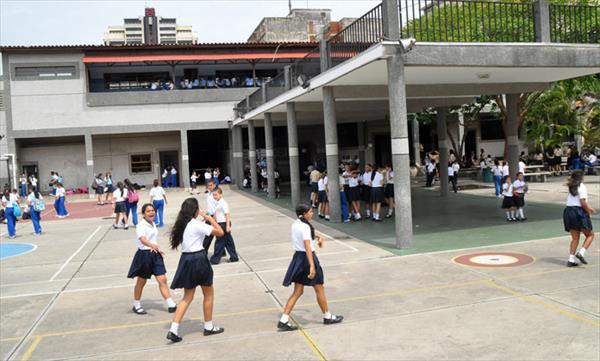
34,247
75,254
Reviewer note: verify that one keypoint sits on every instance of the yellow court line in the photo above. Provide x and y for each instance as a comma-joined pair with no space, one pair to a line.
274,309
34,345
535,301
310,341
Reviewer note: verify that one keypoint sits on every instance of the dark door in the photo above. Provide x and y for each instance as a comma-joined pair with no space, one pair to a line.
470,143
30,169
170,158
383,150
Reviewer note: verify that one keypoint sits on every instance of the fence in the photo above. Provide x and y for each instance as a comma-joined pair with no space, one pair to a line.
575,24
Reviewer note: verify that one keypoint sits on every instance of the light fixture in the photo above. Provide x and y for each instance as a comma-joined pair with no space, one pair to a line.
407,44
483,75
303,81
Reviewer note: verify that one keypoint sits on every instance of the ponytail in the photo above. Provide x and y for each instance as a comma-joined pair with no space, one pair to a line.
187,212
301,210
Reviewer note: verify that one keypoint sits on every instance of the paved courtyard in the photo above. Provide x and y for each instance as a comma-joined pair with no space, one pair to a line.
70,298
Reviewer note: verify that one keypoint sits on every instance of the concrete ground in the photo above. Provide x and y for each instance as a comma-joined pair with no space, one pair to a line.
70,299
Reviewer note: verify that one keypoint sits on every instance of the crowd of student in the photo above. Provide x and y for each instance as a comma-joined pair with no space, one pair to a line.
210,83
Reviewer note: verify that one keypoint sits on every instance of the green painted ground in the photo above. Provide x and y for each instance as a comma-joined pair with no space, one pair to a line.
459,221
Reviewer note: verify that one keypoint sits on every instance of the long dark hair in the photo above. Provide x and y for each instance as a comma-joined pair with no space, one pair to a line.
574,181
120,186
301,210
36,194
188,211
129,185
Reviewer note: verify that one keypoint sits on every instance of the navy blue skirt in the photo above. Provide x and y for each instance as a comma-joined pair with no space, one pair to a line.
299,269
519,200
193,270
389,190
575,218
508,202
377,195
366,193
322,196
146,264
354,194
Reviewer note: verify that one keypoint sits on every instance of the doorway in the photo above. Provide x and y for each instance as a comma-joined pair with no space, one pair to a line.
383,149
29,169
170,158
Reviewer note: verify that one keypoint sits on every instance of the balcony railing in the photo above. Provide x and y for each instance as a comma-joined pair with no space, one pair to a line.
575,24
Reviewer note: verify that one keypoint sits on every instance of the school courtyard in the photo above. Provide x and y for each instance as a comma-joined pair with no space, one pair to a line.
472,287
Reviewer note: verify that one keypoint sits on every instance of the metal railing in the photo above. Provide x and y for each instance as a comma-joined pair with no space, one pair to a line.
275,86
467,21
309,66
575,24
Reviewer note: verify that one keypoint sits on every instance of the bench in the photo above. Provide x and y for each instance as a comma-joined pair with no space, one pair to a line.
538,175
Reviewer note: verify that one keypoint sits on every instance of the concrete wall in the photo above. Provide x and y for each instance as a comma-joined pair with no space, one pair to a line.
67,159
3,141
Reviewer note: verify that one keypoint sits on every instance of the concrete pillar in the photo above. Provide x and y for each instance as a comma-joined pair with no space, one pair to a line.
541,19
292,130
325,61
270,156
252,155
416,140
512,133
238,154
331,154
442,134
89,162
361,126
184,168
400,153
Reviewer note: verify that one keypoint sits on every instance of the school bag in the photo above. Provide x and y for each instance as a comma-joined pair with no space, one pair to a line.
39,205
132,197
17,211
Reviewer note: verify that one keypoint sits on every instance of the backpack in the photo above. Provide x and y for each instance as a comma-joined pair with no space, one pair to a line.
17,211
132,197
39,205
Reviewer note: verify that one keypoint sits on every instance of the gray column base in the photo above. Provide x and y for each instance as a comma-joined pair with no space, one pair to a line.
402,198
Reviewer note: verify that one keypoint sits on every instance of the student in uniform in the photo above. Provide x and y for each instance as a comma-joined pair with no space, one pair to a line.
193,180
343,200
10,201
36,206
508,203
323,199
158,198
389,190
211,206
34,182
23,186
223,218
505,170
456,168
314,177
305,269
354,195
110,188
174,177
132,201
430,169
215,175
148,261
120,197
194,269
207,177
377,193
519,190
165,178
346,174
451,178
577,218
59,203
497,171
367,177
99,184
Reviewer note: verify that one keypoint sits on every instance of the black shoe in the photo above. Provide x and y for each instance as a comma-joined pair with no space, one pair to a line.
286,326
523,219
215,330
139,311
173,337
233,260
580,258
333,319
172,309
572,264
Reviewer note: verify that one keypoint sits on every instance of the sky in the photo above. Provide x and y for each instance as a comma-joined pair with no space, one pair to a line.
46,22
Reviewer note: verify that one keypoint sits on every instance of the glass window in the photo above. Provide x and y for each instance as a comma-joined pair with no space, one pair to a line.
141,163
44,72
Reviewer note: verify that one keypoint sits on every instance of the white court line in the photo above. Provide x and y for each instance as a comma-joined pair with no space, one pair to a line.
74,254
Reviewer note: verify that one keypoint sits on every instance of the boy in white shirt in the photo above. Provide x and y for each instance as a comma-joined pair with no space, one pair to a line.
223,218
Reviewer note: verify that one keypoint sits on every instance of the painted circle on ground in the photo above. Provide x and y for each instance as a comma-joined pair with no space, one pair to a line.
9,250
494,259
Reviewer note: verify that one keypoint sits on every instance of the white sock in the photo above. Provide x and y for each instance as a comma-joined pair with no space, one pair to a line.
208,325
507,215
521,213
512,214
582,251
368,213
572,258
284,318
327,315
137,303
174,328
170,302
327,217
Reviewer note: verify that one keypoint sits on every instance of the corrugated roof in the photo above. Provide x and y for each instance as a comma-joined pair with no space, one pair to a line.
204,46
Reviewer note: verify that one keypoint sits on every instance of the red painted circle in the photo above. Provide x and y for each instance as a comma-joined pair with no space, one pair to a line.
494,259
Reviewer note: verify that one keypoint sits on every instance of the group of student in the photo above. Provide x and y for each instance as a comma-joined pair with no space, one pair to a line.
432,165
373,187
169,177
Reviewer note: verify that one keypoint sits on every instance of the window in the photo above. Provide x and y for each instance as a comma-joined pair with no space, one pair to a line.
491,127
27,72
141,163
133,80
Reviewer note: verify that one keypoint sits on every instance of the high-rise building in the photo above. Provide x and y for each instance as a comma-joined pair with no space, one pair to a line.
150,29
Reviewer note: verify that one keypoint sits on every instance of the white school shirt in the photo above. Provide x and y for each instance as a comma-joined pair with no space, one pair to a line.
118,196
211,203
346,177
147,230
518,186
456,167
430,167
389,177
221,209
300,232
194,178
450,171
207,175
31,198
165,173
341,182
521,167
507,190
173,171
34,181
592,159
12,200
157,193
215,174
353,182
575,201
193,236
366,178
377,180
23,180
497,171
322,185
60,192
505,171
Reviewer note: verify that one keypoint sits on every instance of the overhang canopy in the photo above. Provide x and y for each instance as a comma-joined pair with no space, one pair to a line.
138,58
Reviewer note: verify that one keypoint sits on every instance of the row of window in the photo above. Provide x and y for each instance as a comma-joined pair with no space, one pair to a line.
44,72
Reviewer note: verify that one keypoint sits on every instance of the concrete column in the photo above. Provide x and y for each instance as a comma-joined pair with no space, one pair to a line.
252,155
361,141
325,61
541,19
238,154
270,156
89,161
512,133
442,134
184,168
391,21
331,154
416,140
400,153
292,130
